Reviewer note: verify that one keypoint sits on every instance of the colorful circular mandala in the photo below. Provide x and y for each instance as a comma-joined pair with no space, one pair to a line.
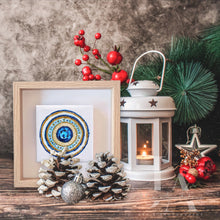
64,128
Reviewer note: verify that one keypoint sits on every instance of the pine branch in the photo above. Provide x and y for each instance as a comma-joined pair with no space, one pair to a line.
194,91
211,39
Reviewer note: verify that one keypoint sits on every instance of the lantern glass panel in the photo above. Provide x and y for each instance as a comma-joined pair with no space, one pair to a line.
165,142
144,144
124,142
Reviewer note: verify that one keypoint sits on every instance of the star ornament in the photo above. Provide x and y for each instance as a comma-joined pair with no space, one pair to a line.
195,144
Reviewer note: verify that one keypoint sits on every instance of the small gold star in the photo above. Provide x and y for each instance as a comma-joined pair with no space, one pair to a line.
153,103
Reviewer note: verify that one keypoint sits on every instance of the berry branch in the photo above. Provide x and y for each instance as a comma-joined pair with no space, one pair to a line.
103,70
111,68
114,58
85,57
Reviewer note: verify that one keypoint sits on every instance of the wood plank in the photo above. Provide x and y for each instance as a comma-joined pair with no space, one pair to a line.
142,202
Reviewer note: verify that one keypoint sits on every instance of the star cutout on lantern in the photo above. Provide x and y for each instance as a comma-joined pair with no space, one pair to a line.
135,83
153,103
123,103
196,145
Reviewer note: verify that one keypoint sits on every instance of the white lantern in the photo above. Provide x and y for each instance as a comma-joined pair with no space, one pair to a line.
146,130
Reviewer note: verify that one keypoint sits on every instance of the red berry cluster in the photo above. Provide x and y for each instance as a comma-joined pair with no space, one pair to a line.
79,41
114,58
203,169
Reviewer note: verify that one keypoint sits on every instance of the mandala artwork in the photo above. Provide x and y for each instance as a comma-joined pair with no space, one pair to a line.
64,128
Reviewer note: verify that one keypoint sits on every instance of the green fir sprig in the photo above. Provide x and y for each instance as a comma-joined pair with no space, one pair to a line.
185,49
194,91
211,39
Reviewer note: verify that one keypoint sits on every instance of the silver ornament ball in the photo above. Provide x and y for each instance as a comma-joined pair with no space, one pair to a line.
72,192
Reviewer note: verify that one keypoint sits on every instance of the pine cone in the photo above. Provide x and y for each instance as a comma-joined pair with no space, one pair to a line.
59,169
106,179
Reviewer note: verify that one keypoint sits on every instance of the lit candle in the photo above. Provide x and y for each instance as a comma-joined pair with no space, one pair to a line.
144,159
144,153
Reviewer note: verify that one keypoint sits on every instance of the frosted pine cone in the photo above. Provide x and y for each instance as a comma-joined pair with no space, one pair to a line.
58,169
107,181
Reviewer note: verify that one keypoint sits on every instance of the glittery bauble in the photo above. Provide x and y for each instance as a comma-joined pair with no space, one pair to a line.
193,171
72,192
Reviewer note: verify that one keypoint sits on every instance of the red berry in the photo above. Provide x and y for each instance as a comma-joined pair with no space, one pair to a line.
183,170
78,62
190,178
98,56
95,52
91,77
207,162
128,80
85,57
203,160
79,41
203,173
97,36
76,42
97,77
76,37
121,75
81,32
85,78
87,48
82,44
86,70
114,57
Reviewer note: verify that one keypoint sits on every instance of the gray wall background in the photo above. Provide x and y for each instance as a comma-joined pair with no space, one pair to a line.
36,38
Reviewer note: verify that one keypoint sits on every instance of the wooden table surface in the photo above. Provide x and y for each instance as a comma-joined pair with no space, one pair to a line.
143,202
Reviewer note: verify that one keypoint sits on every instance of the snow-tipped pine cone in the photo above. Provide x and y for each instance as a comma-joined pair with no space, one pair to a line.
59,169
106,181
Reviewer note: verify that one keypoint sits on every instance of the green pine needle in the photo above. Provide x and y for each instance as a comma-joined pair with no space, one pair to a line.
147,72
186,49
211,39
194,91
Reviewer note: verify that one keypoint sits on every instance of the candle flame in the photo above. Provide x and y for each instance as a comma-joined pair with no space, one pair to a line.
145,146
144,153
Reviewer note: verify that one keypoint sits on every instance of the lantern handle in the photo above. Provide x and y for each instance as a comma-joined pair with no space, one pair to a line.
163,69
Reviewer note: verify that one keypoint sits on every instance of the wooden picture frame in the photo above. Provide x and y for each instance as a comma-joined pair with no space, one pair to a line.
26,95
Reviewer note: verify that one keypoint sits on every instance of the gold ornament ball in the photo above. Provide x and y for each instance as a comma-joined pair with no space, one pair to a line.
194,172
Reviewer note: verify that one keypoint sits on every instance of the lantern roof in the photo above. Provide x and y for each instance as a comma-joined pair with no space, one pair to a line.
143,88
147,107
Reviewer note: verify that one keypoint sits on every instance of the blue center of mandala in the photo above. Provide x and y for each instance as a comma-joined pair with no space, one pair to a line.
64,134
